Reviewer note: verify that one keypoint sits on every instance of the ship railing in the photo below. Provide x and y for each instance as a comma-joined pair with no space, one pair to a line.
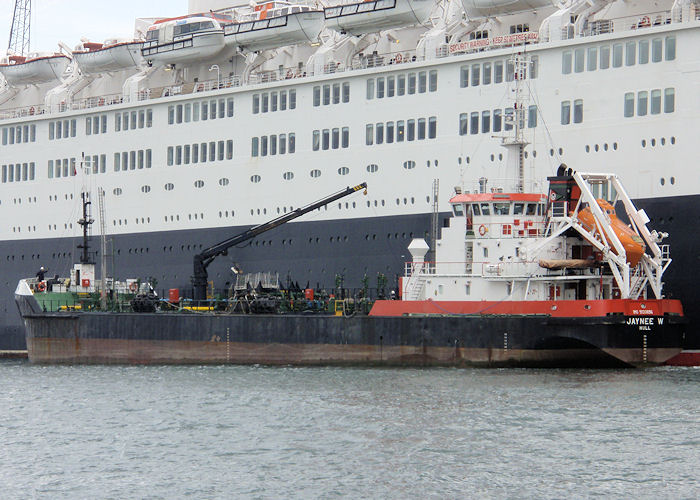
625,23
96,102
376,60
477,269
520,226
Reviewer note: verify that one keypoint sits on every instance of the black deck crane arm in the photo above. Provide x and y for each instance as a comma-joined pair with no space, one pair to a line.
207,256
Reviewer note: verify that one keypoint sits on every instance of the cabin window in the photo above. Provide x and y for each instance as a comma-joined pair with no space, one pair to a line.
476,209
630,53
263,148
534,64
578,60
485,209
629,104
509,119
433,79
458,210
253,147
497,120
501,208
421,82
532,116
498,72
346,92
149,160
411,83
617,55
670,48
370,89
292,99
401,85
345,139
380,133
464,76
432,128
205,107
88,127
642,102
222,108
566,62
400,131
463,121
474,123
565,112
72,129
476,71
518,208
316,140
273,101
578,111
592,59
390,86
411,129
421,129
335,138
256,106
604,57
486,74
203,151
531,209
229,149
369,134
389,132
142,117
669,100
380,88
291,143
283,100
149,117
643,52
656,50
220,156
655,107
485,121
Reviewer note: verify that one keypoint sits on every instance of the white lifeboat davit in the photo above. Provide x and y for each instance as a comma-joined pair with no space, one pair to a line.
183,40
34,69
373,16
275,24
476,9
95,58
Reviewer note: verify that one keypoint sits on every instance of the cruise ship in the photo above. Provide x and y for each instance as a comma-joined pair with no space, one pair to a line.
230,115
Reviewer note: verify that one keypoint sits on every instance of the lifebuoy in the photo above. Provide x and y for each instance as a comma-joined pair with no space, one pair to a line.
552,196
41,286
482,230
645,21
133,287
399,58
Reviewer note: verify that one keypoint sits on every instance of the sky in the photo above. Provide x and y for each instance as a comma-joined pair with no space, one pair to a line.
70,20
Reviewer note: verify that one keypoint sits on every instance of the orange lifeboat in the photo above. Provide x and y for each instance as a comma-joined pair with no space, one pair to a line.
634,245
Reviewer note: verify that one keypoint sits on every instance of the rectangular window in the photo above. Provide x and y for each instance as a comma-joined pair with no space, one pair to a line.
532,116
317,95
486,121
592,59
292,99
51,133
273,101
655,107
566,62
195,153
125,160
380,88
283,100
118,122
222,108
212,148
345,137
463,123
421,129
178,114
229,149
369,134
220,151
390,86
401,85
464,76
630,53
370,88
432,127
254,147
642,103
4,171
171,117
474,123
335,138
629,104
142,157
579,60
186,151
510,71
670,48
326,95
125,121
212,107
149,117
389,132
498,72
486,74
411,83
273,144
88,127
12,134
336,93
282,143
142,116
263,148
476,73
643,52
422,82
11,171
380,133
656,50
432,80
565,112
25,171
32,171
292,143
497,120
19,134
229,107
534,66
132,160
578,111
256,106
149,159
95,164
617,55
346,92
265,103
195,111
203,151
188,115
605,57
316,140
103,125
669,100
4,134
411,130
205,109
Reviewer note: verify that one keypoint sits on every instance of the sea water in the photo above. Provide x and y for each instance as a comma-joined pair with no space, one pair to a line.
261,432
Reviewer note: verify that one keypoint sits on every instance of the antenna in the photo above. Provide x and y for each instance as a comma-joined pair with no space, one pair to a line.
20,31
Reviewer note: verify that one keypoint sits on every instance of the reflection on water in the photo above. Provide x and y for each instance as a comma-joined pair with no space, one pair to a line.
102,431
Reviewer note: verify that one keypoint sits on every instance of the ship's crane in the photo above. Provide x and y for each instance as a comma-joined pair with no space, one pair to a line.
21,29
203,259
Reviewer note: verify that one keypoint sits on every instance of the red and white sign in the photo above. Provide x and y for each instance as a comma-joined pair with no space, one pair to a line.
496,41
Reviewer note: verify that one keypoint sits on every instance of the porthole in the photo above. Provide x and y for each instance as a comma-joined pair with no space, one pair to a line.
199,183
372,168
596,148
615,146
288,176
315,173
500,156
663,141
605,146
673,180
588,148
436,163
223,181
663,181
117,191
343,171
561,151
169,186
493,157
408,165
255,179
673,140
653,142
526,154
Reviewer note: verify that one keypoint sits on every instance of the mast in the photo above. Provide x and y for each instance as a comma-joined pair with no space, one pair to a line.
20,31
85,222
103,249
515,144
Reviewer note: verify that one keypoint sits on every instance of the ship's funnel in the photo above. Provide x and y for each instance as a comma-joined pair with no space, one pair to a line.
418,249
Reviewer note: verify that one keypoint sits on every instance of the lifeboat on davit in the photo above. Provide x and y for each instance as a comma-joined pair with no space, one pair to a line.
373,16
185,39
113,55
33,70
275,24
634,245
476,9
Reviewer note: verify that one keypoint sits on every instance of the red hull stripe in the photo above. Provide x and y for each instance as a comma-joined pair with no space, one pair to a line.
685,358
558,308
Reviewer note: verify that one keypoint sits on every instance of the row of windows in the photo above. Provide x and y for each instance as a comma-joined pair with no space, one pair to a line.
196,111
131,160
18,172
398,85
200,153
469,123
18,134
273,144
96,125
410,130
629,53
566,112
492,72
330,138
650,102
131,120
62,129
62,168
274,101
97,164
332,94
